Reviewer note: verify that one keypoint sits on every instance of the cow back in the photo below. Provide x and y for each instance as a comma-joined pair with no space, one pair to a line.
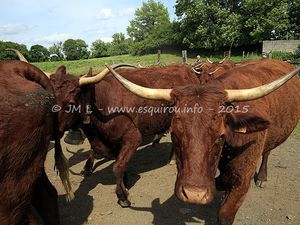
281,107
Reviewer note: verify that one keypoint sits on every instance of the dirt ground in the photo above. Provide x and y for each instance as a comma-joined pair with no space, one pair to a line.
152,194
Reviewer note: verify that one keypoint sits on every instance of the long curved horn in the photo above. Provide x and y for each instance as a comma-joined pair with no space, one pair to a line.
23,59
208,60
148,93
18,53
259,92
222,60
199,67
213,72
139,66
195,71
97,78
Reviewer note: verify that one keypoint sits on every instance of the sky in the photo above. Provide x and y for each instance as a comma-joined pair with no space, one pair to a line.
43,22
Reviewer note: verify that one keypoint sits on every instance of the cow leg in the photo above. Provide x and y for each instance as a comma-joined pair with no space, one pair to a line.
231,204
45,200
32,220
262,173
99,150
131,142
88,167
172,157
234,198
237,176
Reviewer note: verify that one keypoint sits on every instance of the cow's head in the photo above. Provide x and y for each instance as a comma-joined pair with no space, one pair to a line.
206,71
67,93
70,93
200,127
201,124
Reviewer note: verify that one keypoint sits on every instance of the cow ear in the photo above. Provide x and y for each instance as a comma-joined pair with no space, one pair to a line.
62,70
246,122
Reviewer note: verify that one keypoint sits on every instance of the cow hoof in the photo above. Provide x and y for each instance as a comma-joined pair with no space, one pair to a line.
260,184
86,173
124,204
224,222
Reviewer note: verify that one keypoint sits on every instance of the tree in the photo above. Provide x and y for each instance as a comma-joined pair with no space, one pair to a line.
75,49
119,45
209,24
151,27
99,49
294,18
264,20
38,53
118,38
9,55
218,23
56,52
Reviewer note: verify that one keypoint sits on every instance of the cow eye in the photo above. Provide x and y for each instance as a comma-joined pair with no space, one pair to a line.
219,139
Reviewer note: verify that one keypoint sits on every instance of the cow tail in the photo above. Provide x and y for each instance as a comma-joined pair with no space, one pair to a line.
62,167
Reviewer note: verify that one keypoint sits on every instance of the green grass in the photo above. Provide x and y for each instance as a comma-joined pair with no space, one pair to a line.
297,131
79,67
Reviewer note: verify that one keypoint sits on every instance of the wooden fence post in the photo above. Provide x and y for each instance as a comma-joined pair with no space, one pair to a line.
158,57
270,55
184,56
243,54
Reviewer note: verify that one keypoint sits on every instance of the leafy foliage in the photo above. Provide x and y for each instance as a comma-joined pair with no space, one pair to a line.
9,55
264,20
99,49
209,24
151,28
119,45
56,52
38,53
282,55
297,52
215,23
75,49
294,18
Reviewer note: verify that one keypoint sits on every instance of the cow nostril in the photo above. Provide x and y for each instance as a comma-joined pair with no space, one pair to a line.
184,193
196,195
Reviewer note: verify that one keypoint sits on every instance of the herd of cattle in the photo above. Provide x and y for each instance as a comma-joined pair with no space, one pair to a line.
242,107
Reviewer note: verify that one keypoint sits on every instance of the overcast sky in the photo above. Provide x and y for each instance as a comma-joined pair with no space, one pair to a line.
46,22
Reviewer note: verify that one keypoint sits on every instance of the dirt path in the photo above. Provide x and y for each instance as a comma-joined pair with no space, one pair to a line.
153,201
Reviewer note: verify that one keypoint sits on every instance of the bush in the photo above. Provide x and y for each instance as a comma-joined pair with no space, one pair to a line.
283,56
297,53
9,55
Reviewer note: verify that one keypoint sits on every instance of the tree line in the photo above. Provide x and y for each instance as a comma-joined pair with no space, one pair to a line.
199,24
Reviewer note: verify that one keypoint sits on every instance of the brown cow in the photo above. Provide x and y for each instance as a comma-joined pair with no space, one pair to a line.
118,134
26,127
106,133
211,70
234,129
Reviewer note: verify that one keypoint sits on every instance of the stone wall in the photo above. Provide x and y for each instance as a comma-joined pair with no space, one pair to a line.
280,46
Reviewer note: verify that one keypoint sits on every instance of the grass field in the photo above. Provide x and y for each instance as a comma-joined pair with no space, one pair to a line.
79,67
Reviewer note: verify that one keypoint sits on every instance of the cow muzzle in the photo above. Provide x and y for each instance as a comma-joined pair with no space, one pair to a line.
196,195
